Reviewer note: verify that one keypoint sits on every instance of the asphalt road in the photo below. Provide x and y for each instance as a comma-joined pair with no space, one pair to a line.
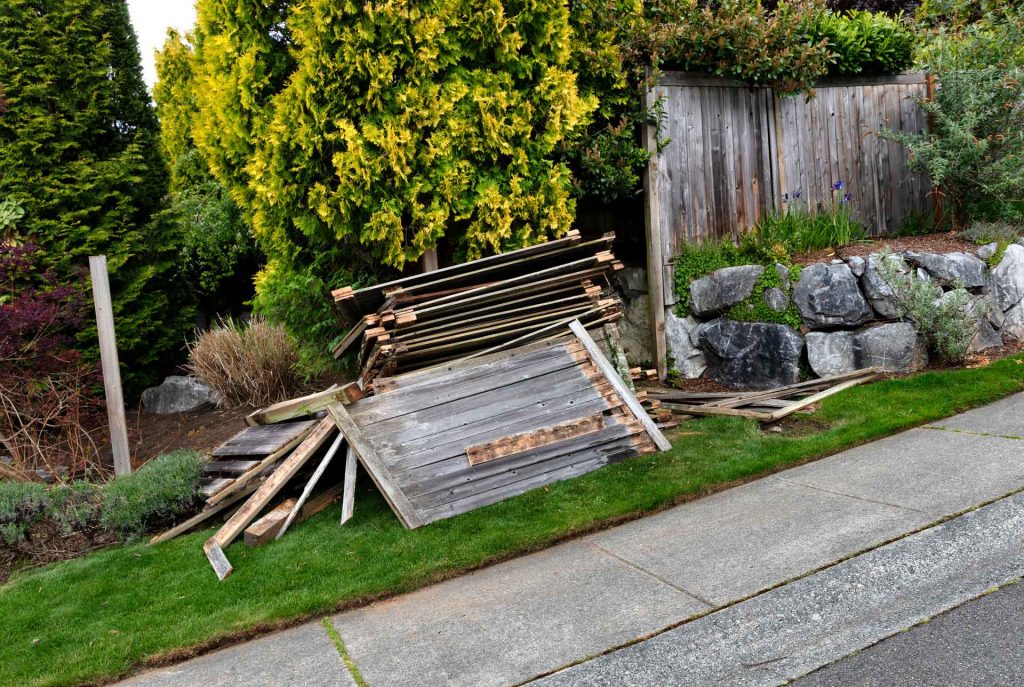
977,644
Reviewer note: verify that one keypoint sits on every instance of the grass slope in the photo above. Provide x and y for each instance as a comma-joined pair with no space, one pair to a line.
99,616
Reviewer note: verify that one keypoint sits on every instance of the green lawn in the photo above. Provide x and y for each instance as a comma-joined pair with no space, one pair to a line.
99,616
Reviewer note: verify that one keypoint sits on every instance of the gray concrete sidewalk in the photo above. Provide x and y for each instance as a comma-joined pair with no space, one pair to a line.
509,623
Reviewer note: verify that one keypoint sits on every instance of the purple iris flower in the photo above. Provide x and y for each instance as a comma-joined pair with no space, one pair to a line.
838,186
796,194
847,198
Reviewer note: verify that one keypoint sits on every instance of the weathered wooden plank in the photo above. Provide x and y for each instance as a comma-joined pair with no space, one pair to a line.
655,259
213,486
263,440
378,471
624,393
579,464
304,406
266,491
264,530
310,485
519,443
348,498
228,466
467,382
523,466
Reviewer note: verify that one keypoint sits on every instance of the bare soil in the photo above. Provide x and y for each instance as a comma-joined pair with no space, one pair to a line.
150,435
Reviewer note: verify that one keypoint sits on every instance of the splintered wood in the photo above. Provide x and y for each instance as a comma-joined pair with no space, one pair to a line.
485,305
764,406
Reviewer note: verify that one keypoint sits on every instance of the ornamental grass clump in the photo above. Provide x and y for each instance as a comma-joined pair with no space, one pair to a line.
247,364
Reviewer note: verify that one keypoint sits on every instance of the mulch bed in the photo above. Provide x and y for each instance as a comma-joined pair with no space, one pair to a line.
46,542
947,242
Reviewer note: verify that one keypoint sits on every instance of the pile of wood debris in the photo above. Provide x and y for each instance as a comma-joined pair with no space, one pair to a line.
478,382
479,307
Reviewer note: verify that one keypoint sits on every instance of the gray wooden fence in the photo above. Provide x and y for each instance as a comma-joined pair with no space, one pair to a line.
735,152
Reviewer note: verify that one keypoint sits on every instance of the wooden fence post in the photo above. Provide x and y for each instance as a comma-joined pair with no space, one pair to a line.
652,216
109,363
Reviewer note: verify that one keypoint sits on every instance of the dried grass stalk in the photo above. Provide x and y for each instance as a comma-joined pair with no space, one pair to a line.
249,364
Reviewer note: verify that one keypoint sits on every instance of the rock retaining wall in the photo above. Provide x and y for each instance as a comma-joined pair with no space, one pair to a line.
848,318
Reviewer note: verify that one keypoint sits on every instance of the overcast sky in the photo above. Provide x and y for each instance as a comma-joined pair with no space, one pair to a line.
151,19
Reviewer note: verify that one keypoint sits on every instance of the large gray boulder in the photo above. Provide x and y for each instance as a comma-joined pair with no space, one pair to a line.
986,337
893,347
178,394
831,353
758,355
951,267
1006,282
827,297
1013,324
683,353
856,264
723,289
876,289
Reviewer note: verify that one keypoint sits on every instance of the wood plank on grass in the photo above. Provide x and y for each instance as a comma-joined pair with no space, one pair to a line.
266,491
311,484
348,497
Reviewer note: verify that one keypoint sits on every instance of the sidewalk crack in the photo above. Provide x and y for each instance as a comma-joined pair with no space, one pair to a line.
940,428
346,659
655,576
851,496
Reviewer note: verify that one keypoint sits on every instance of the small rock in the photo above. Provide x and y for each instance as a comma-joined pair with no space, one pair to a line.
949,268
178,394
776,299
1013,325
683,353
632,281
893,347
827,296
830,353
987,251
757,355
723,289
783,273
1006,285
856,264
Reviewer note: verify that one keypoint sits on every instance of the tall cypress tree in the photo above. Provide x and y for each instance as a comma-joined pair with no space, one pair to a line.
79,150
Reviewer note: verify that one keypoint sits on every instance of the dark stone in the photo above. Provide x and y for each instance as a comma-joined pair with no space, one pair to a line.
776,299
723,289
827,297
757,355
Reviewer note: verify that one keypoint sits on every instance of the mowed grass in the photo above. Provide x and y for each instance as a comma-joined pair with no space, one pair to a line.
100,616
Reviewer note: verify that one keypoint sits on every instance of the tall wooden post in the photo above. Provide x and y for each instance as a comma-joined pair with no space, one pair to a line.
109,363
428,261
655,258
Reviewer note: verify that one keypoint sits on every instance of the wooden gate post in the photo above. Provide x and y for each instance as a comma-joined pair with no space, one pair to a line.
109,364
652,220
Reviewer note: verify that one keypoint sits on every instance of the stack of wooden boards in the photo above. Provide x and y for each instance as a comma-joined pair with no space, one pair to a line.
478,307
437,442
764,406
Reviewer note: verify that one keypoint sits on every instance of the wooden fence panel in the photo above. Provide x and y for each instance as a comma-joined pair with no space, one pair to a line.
736,151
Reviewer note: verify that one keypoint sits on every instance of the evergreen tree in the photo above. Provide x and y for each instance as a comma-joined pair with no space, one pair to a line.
79,150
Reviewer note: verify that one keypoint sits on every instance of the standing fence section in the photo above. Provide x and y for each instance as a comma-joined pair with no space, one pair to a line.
725,153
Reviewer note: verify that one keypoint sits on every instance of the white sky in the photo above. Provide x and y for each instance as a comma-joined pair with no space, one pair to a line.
151,19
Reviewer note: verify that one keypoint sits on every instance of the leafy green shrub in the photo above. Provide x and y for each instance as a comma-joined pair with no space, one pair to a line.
866,42
254,364
982,233
943,318
21,504
755,309
159,492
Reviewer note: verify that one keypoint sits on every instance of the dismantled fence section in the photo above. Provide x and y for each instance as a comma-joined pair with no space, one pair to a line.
478,382
725,153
